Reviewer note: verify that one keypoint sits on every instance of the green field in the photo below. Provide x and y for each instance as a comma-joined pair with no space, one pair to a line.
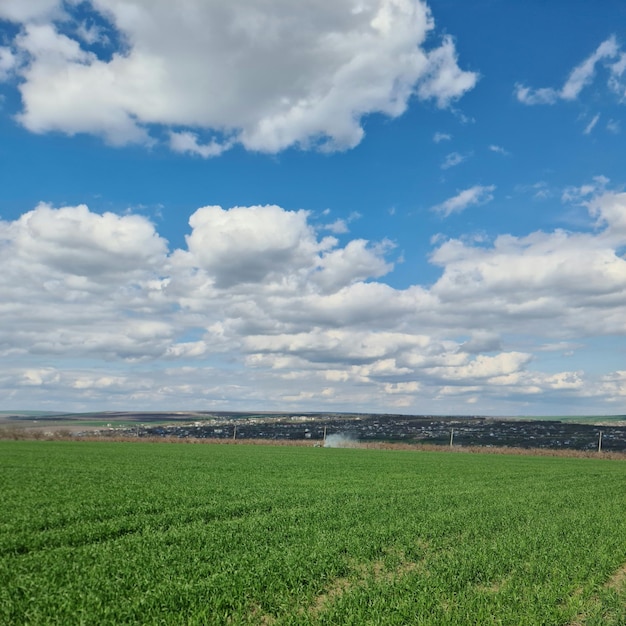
139,533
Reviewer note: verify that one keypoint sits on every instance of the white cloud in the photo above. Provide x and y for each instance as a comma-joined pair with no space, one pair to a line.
613,126
338,227
99,310
499,150
91,34
583,74
482,367
539,190
402,388
187,142
617,70
453,159
79,282
439,137
543,276
614,385
251,244
264,75
444,81
8,62
35,10
476,195
578,194
567,347
68,89
545,95
610,210
39,377
355,262
591,125
482,341
579,78
76,242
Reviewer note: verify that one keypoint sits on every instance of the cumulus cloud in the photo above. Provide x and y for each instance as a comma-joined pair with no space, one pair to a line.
609,209
542,276
74,241
8,62
476,195
20,11
614,386
259,307
482,367
579,78
482,341
82,282
439,137
357,261
263,75
250,244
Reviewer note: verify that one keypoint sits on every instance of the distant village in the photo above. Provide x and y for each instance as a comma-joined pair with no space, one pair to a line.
316,427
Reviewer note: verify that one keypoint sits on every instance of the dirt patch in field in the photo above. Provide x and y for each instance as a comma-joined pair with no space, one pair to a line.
263,618
364,574
618,580
337,589
616,583
493,587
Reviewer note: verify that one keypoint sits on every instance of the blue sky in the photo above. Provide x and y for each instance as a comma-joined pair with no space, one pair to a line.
357,205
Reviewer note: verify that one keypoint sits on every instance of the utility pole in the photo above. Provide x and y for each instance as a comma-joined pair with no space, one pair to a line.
451,436
600,442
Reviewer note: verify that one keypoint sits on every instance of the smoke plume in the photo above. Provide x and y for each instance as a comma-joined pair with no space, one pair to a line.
341,440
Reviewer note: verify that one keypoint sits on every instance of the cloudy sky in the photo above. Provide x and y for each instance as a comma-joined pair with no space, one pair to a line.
347,205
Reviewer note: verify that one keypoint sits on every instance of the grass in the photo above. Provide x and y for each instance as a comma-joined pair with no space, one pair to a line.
140,533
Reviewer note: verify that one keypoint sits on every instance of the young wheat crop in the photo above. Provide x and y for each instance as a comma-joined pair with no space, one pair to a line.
134,533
